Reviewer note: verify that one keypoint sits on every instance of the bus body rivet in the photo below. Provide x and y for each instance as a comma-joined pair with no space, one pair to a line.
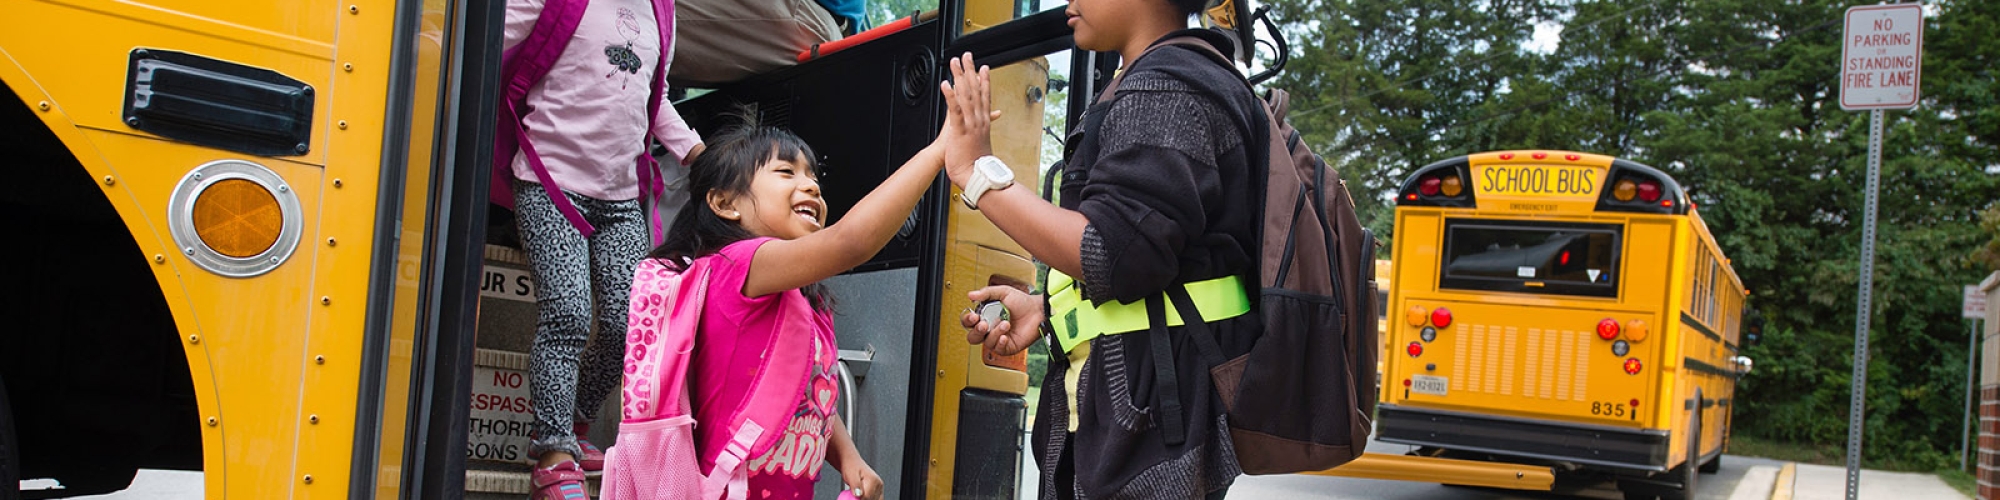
309,479
109,181
194,339
212,421
313,418
343,124
197,176
354,9
159,259
348,66
336,183
274,260
301,148
319,359
330,242
44,105
190,250
284,189
326,301
940,373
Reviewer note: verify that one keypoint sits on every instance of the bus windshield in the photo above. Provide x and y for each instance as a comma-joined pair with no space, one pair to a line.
1532,257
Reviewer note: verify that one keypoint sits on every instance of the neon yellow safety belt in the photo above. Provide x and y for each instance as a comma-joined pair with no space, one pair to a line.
1076,320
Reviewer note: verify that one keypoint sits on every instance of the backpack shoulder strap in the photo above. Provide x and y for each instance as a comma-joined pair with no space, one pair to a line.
529,61
651,184
521,67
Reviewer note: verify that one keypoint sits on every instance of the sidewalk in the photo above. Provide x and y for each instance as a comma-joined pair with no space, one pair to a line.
1825,482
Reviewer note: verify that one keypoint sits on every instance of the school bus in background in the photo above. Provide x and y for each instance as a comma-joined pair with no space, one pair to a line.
1562,309
249,240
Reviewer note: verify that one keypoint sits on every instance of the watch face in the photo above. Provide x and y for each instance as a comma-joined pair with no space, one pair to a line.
995,170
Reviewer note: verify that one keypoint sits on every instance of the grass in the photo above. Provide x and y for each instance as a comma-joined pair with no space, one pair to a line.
1961,481
1836,455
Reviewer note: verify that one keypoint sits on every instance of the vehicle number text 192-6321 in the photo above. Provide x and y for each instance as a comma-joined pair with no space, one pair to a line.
1429,384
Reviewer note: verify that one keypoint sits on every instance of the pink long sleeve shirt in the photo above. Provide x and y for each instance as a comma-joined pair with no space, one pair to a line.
587,118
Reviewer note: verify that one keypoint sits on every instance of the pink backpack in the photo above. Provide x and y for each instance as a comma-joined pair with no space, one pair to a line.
660,452
524,65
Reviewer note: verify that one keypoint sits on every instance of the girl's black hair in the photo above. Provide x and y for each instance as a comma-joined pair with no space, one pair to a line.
1192,7
728,165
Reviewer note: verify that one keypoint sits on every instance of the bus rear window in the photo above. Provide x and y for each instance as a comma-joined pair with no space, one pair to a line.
1531,257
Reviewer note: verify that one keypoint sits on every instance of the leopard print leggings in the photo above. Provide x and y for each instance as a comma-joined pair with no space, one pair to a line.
567,382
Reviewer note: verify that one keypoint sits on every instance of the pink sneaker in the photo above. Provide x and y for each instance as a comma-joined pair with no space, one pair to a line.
593,457
562,481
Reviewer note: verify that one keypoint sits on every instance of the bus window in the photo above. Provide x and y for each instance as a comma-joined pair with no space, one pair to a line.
1577,259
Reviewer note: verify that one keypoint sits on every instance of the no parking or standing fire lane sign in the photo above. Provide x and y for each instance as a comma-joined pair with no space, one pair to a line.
1881,57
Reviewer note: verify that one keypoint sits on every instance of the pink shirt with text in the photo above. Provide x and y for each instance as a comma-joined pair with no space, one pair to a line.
790,467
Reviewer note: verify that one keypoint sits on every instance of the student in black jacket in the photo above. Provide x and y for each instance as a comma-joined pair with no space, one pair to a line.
1158,193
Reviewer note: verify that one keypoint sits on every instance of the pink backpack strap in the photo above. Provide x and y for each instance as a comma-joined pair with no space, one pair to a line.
651,186
741,415
521,68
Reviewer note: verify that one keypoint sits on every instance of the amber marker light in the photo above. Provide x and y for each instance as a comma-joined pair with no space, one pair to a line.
237,218
1636,330
1416,315
1625,190
1452,185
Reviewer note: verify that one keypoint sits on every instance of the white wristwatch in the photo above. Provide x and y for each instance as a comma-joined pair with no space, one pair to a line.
988,174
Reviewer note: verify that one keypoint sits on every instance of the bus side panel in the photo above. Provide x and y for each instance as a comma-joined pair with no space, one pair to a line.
275,356
1415,254
1650,258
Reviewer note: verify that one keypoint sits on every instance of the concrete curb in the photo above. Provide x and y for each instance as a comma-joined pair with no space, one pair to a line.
1782,488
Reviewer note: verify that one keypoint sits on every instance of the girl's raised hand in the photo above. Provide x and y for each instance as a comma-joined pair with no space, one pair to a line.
968,118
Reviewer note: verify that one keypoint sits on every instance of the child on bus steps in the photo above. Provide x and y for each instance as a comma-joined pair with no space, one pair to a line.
756,213
578,201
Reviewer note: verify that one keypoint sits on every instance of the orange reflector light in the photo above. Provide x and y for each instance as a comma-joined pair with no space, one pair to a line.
1416,315
1452,186
1625,190
1632,366
237,218
1415,349
1636,330
1441,317
1607,329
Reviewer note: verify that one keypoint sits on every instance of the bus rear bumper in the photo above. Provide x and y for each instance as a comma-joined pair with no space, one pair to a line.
1594,445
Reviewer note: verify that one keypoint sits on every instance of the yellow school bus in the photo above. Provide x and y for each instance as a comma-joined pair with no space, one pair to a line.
1565,309
249,239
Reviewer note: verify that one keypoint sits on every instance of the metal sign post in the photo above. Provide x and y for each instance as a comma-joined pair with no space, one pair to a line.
1973,308
1881,61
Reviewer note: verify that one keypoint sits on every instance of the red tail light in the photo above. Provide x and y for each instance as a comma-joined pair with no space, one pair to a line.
1607,329
1415,349
1441,317
1632,366
1429,186
1649,191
